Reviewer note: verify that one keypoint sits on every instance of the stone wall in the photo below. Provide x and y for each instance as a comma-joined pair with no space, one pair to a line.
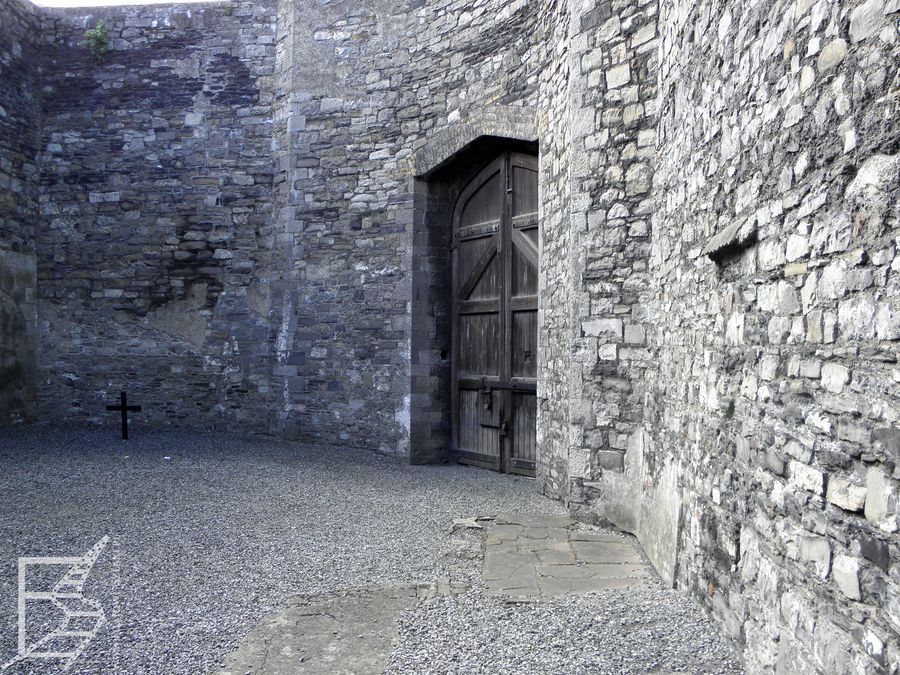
554,314
371,85
244,217
775,325
610,105
156,187
20,80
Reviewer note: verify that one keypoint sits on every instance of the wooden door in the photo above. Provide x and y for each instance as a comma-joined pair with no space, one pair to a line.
495,283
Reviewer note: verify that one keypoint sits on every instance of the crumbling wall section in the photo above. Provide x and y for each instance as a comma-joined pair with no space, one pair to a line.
775,325
20,83
156,188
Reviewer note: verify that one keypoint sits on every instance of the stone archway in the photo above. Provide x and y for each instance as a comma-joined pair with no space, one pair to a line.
441,169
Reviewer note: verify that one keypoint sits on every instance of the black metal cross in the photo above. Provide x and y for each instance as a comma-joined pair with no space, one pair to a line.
124,407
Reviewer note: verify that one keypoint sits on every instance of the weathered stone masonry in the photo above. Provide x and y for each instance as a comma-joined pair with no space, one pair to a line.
19,217
775,400
156,194
240,216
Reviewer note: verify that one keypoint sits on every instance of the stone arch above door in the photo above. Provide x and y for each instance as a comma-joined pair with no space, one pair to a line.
517,123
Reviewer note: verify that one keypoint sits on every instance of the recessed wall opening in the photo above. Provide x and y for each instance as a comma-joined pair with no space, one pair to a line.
456,412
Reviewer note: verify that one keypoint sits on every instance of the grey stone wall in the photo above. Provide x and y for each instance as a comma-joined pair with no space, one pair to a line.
775,324
610,104
244,220
718,322
554,315
156,187
397,74
20,79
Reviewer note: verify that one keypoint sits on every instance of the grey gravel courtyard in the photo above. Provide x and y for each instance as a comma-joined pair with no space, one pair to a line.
209,533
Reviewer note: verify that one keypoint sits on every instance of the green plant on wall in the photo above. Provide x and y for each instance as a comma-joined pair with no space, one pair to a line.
96,40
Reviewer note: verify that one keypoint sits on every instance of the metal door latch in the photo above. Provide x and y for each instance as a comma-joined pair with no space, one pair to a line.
487,400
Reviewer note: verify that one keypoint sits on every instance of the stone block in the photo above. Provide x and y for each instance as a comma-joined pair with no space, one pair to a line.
844,494
881,500
889,440
734,330
775,463
832,55
608,352
618,76
846,575
817,551
876,551
810,368
834,377
797,247
866,20
611,460
807,478
600,327
635,334
855,433
638,179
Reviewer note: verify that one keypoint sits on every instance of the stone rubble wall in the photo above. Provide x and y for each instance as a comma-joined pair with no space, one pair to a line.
156,188
775,325
612,117
19,214
554,311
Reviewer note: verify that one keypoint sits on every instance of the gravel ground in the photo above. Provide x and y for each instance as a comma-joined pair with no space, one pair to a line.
643,630
209,532
206,542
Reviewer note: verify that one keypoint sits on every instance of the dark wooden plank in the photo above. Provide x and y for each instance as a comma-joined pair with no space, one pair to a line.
489,285
479,267
525,221
480,352
526,246
523,303
475,383
525,187
469,252
478,230
489,306
524,423
525,277
483,204
524,344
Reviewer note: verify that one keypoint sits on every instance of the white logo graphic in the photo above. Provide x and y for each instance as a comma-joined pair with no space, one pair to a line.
82,617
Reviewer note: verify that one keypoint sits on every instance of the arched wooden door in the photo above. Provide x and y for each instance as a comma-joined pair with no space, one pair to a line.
495,284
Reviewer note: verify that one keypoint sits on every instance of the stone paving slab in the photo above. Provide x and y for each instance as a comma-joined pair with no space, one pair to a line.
534,520
345,632
529,556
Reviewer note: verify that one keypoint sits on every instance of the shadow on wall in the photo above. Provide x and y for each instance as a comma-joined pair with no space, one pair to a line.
17,367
